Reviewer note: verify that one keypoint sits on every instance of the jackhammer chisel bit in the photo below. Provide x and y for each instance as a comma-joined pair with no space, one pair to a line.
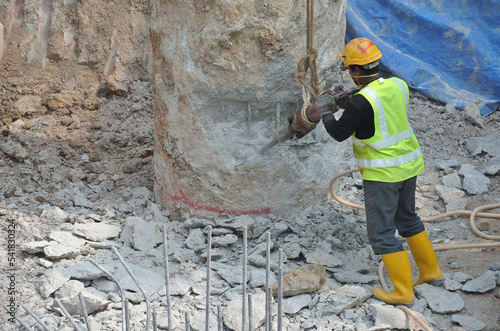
283,135
326,101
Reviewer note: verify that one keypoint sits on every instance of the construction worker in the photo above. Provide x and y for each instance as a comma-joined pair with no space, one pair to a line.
389,159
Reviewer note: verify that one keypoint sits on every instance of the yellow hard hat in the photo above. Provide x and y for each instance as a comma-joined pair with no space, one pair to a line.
359,51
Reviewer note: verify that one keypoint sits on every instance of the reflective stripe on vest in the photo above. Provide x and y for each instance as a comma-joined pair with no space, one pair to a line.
386,139
392,162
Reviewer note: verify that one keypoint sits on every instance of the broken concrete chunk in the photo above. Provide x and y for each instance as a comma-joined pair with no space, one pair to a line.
96,231
145,235
473,115
196,240
305,279
105,285
51,281
474,145
225,240
452,180
94,300
346,277
69,289
293,305
66,238
61,251
14,150
439,300
34,247
334,302
85,271
151,282
232,313
387,315
492,145
444,164
482,284
468,322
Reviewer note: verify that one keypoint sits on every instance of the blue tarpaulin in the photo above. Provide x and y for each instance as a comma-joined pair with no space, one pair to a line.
448,50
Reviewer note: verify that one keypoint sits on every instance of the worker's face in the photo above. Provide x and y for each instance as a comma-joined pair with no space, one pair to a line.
353,71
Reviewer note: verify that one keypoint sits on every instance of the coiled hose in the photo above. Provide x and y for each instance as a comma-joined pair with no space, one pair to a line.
472,214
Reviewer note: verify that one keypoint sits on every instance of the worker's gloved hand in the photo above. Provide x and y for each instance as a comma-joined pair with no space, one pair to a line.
342,103
326,103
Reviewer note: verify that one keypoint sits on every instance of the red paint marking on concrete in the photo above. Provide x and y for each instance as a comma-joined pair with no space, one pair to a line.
183,199
365,49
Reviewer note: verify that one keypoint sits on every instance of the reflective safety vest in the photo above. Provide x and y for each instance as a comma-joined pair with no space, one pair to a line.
393,153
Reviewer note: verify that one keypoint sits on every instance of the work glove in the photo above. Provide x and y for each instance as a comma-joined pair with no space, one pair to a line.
326,103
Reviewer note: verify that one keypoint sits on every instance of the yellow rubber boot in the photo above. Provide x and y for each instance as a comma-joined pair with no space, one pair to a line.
398,268
425,258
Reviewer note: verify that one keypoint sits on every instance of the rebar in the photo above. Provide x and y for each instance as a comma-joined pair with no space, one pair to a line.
244,282
19,319
278,114
269,292
167,277
186,318
219,318
67,314
125,319
250,315
136,282
280,290
38,320
154,321
249,119
84,309
268,271
209,258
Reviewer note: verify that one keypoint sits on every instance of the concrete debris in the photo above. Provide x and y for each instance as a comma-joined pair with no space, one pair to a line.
439,300
444,164
489,145
474,182
389,316
144,235
482,284
232,315
473,116
468,322
97,231
94,301
51,281
305,279
14,150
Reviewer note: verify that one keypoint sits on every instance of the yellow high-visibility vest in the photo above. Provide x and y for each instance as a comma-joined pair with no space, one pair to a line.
393,153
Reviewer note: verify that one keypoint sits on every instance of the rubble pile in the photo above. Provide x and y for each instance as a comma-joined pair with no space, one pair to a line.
72,202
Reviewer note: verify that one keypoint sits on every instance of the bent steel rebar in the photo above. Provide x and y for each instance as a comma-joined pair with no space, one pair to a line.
19,319
125,320
209,258
67,314
167,277
39,321
136,281
84,310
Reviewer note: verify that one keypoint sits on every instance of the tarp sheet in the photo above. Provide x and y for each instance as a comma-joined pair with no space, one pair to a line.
448,50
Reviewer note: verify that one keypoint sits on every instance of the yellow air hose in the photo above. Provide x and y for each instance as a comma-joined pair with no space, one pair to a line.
473,214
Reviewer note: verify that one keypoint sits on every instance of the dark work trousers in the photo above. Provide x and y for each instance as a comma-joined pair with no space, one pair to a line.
390,206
